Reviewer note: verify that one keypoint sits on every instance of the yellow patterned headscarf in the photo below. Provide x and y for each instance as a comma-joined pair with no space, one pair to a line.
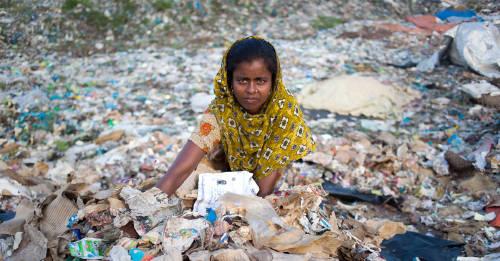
260,143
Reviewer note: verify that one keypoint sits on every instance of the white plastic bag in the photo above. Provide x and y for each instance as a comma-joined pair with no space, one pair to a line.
213,185
261,216
477,45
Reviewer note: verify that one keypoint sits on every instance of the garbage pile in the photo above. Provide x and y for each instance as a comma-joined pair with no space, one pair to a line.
85,27
84,141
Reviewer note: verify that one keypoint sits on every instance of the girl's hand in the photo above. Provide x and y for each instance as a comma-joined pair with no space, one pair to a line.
267,183
183,166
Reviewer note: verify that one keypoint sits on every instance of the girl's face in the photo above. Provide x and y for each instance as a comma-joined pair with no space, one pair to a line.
252,84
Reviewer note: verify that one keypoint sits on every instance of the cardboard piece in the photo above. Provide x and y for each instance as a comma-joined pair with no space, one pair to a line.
477,184
297,242
33,245
292,204
219,255
241,236
9,148
13,226
25,181
153,204
320,158
25,210
384,229
40,169
387,138
115,205
229,255
56,214
266,254
93,208
114,136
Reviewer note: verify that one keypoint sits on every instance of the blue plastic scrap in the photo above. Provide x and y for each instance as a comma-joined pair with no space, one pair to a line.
465,15
211,216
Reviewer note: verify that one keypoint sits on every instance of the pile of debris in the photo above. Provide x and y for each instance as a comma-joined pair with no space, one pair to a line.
84,140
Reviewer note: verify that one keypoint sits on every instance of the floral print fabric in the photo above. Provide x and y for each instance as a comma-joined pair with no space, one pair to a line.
207,136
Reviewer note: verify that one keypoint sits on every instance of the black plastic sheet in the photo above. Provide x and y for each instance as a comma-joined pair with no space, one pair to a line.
352,195
408,246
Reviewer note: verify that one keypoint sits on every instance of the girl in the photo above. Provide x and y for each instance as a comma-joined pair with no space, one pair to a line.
253,123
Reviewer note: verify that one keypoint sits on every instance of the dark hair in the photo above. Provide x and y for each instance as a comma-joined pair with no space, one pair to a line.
247,50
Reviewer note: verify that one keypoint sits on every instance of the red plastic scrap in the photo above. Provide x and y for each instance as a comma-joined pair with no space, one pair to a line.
429,22
494,207
401,28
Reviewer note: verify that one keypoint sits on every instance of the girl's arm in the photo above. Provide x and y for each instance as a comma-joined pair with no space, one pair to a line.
183,166
267,183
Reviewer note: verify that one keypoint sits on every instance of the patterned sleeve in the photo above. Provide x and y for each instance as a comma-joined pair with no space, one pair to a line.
207,133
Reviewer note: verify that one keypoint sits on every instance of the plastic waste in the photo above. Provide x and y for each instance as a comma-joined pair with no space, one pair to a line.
413,245
32,99
439,56
476,90
200,101
351,195
429,64
494,207
6,246
477,45
134,107
118,253
211,186
440,164
139,255
261,216
479,155
453,16
377,125
87,248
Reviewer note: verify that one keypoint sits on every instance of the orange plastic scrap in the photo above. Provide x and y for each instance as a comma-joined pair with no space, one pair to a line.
494,207
401,28
430,22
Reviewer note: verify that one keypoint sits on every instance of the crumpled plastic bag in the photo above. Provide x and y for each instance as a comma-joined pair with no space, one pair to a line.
118,253
261,216
477,45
